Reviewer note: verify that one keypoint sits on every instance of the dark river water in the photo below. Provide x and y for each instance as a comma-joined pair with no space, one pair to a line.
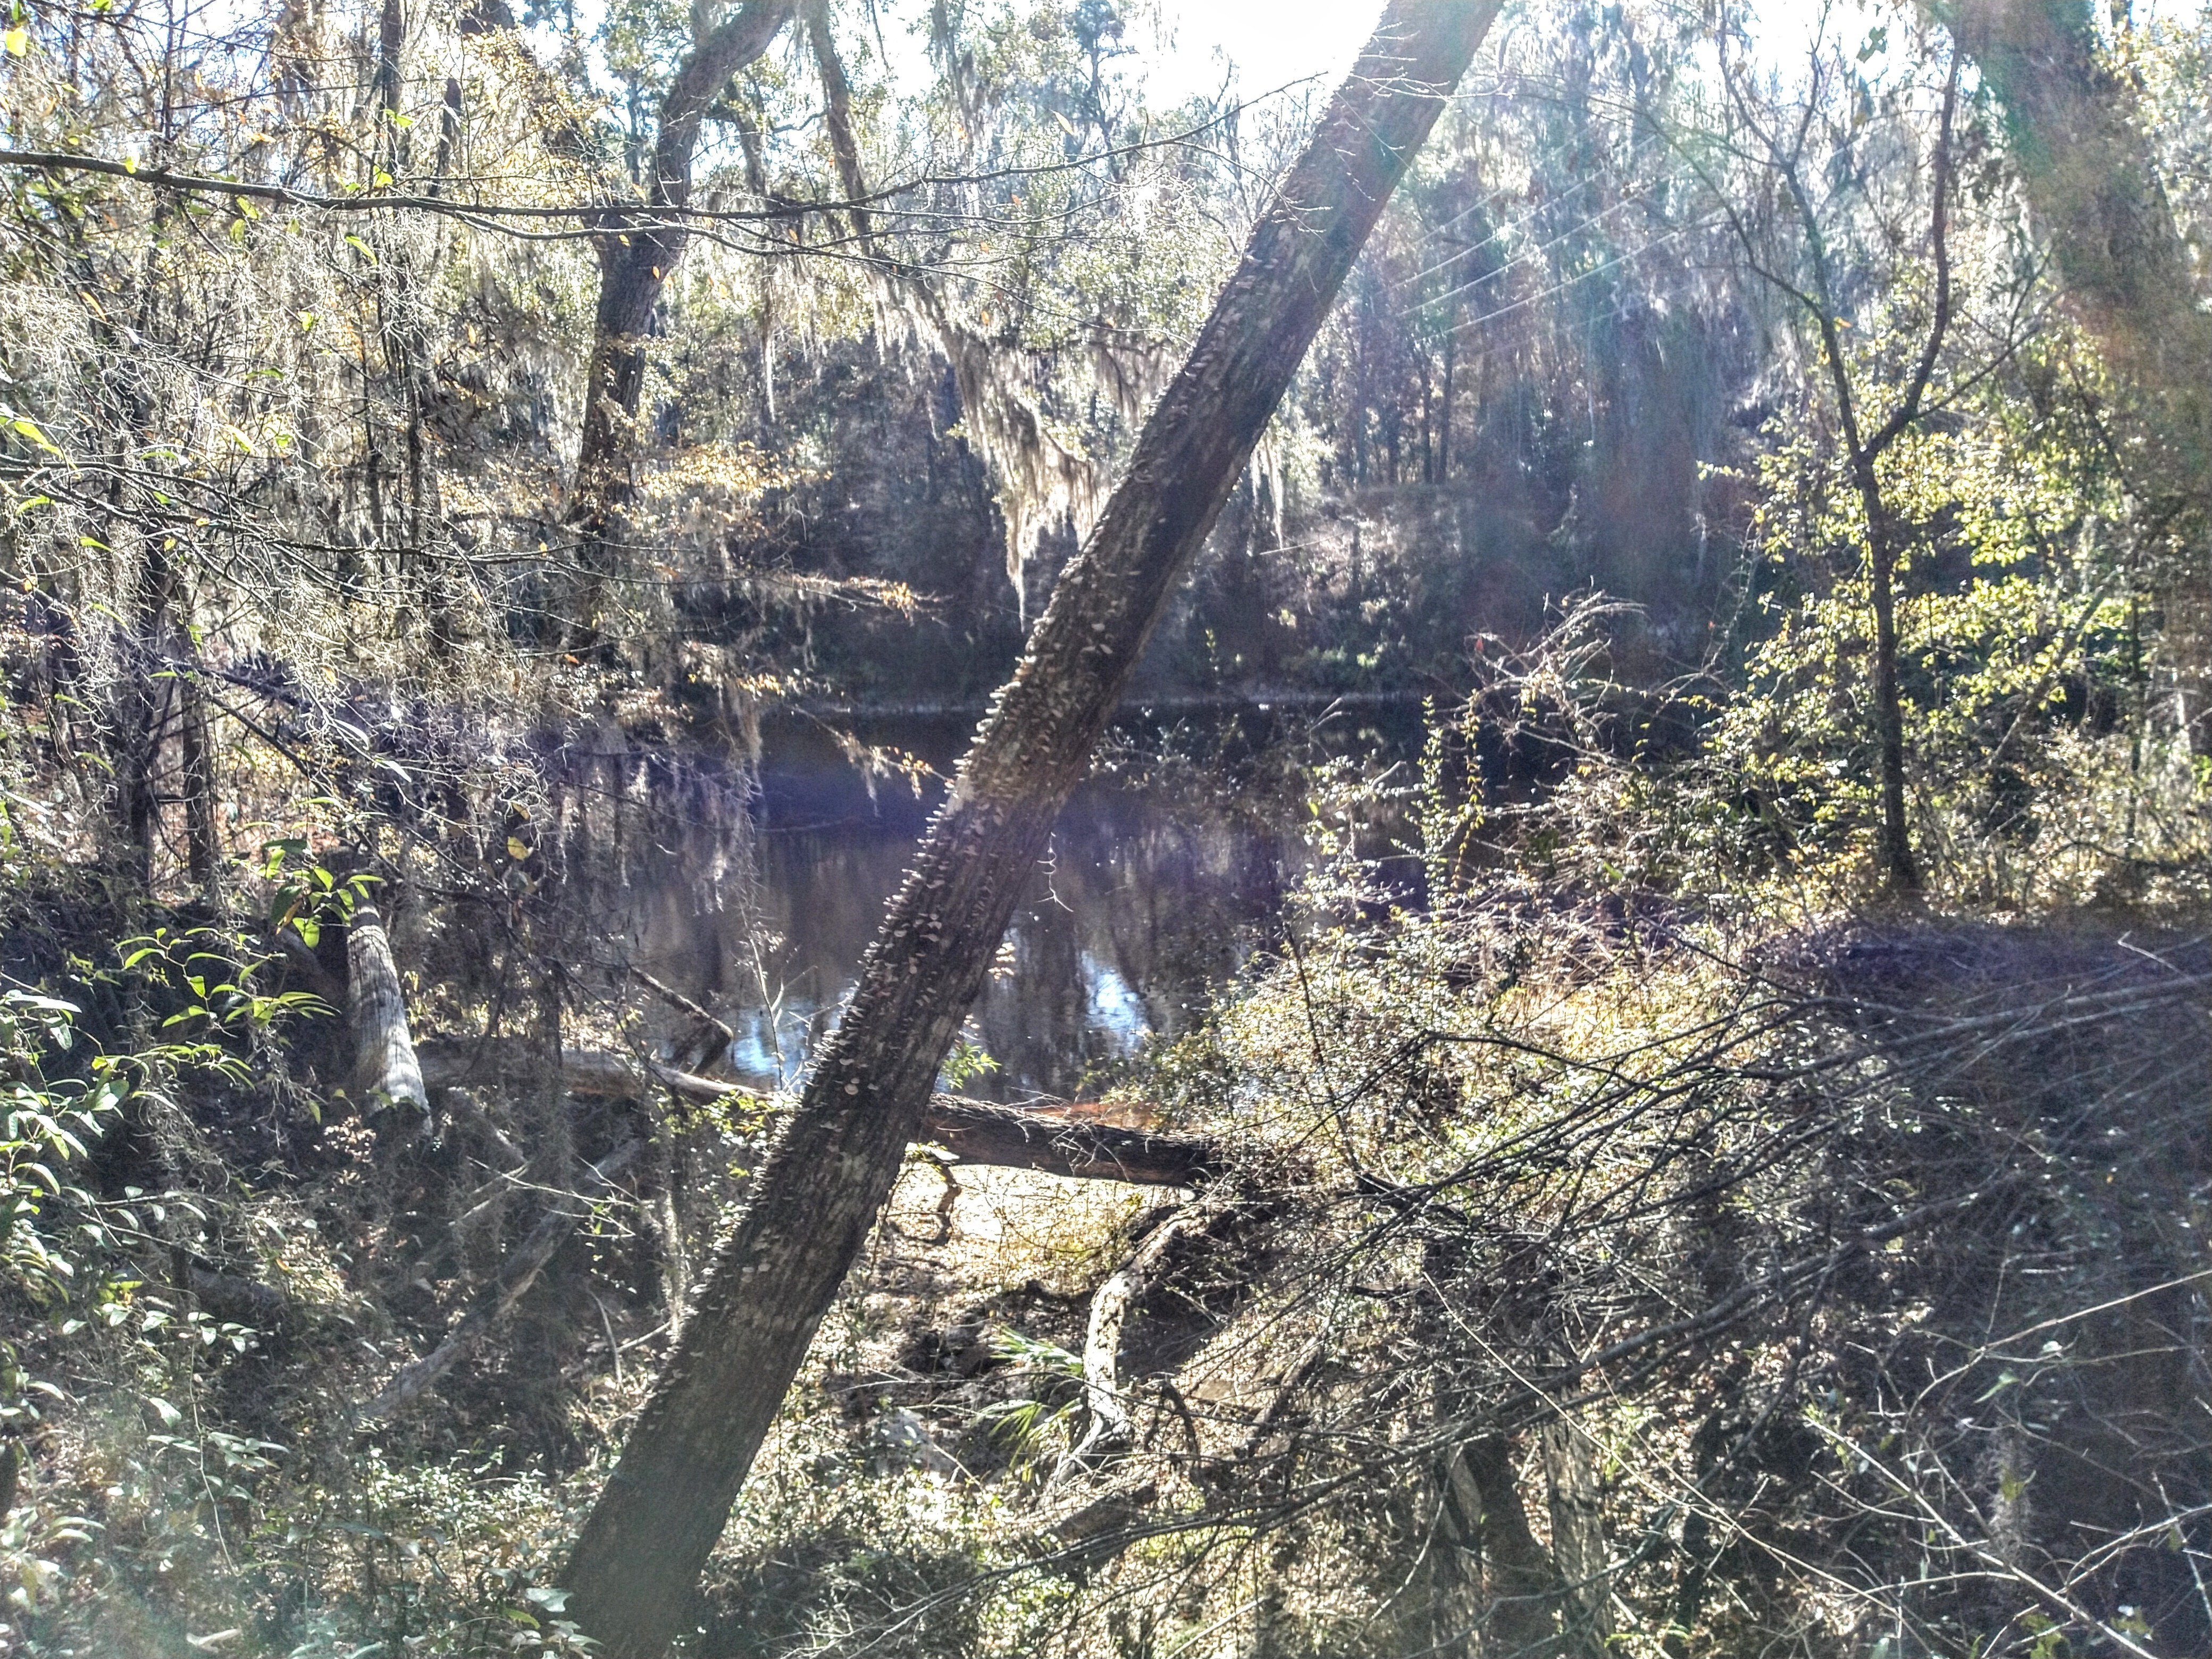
1166,871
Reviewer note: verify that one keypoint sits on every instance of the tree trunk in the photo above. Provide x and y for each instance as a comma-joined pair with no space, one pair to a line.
1900,869
1865,449
2086,167
1483,1512
143,728
635,1570
837,113
1444,426
638,250
1576,1500
2094,193
202,836
385,1067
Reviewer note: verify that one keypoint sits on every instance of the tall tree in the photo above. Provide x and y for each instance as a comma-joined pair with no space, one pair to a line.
2074,125
636,1566
1817,292
638,248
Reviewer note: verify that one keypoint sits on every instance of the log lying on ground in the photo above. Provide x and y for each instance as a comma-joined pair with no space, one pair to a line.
1111,1430
228,1296
1056,1139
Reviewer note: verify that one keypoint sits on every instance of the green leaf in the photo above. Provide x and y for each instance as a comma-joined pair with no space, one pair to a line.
30,428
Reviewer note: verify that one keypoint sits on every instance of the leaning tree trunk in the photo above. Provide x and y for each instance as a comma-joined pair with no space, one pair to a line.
635,1570
2089,170
2086,168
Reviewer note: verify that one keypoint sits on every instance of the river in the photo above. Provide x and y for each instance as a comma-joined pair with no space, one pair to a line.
1168,868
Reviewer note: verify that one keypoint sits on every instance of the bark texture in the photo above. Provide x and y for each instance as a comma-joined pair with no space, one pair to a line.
634,1572
1483,1515
384,1054
1577,1499
1058,1142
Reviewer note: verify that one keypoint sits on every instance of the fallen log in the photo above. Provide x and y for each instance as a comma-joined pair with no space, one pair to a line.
1056,1140
1111,1430
1053,1139
228,1296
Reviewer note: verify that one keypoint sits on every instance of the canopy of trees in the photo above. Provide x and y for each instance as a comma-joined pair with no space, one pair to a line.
1699,1147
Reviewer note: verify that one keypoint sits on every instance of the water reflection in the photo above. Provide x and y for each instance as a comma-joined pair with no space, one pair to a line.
1142,906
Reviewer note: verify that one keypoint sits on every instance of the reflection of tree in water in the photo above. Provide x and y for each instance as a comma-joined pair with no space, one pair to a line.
1155,894
1137,920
